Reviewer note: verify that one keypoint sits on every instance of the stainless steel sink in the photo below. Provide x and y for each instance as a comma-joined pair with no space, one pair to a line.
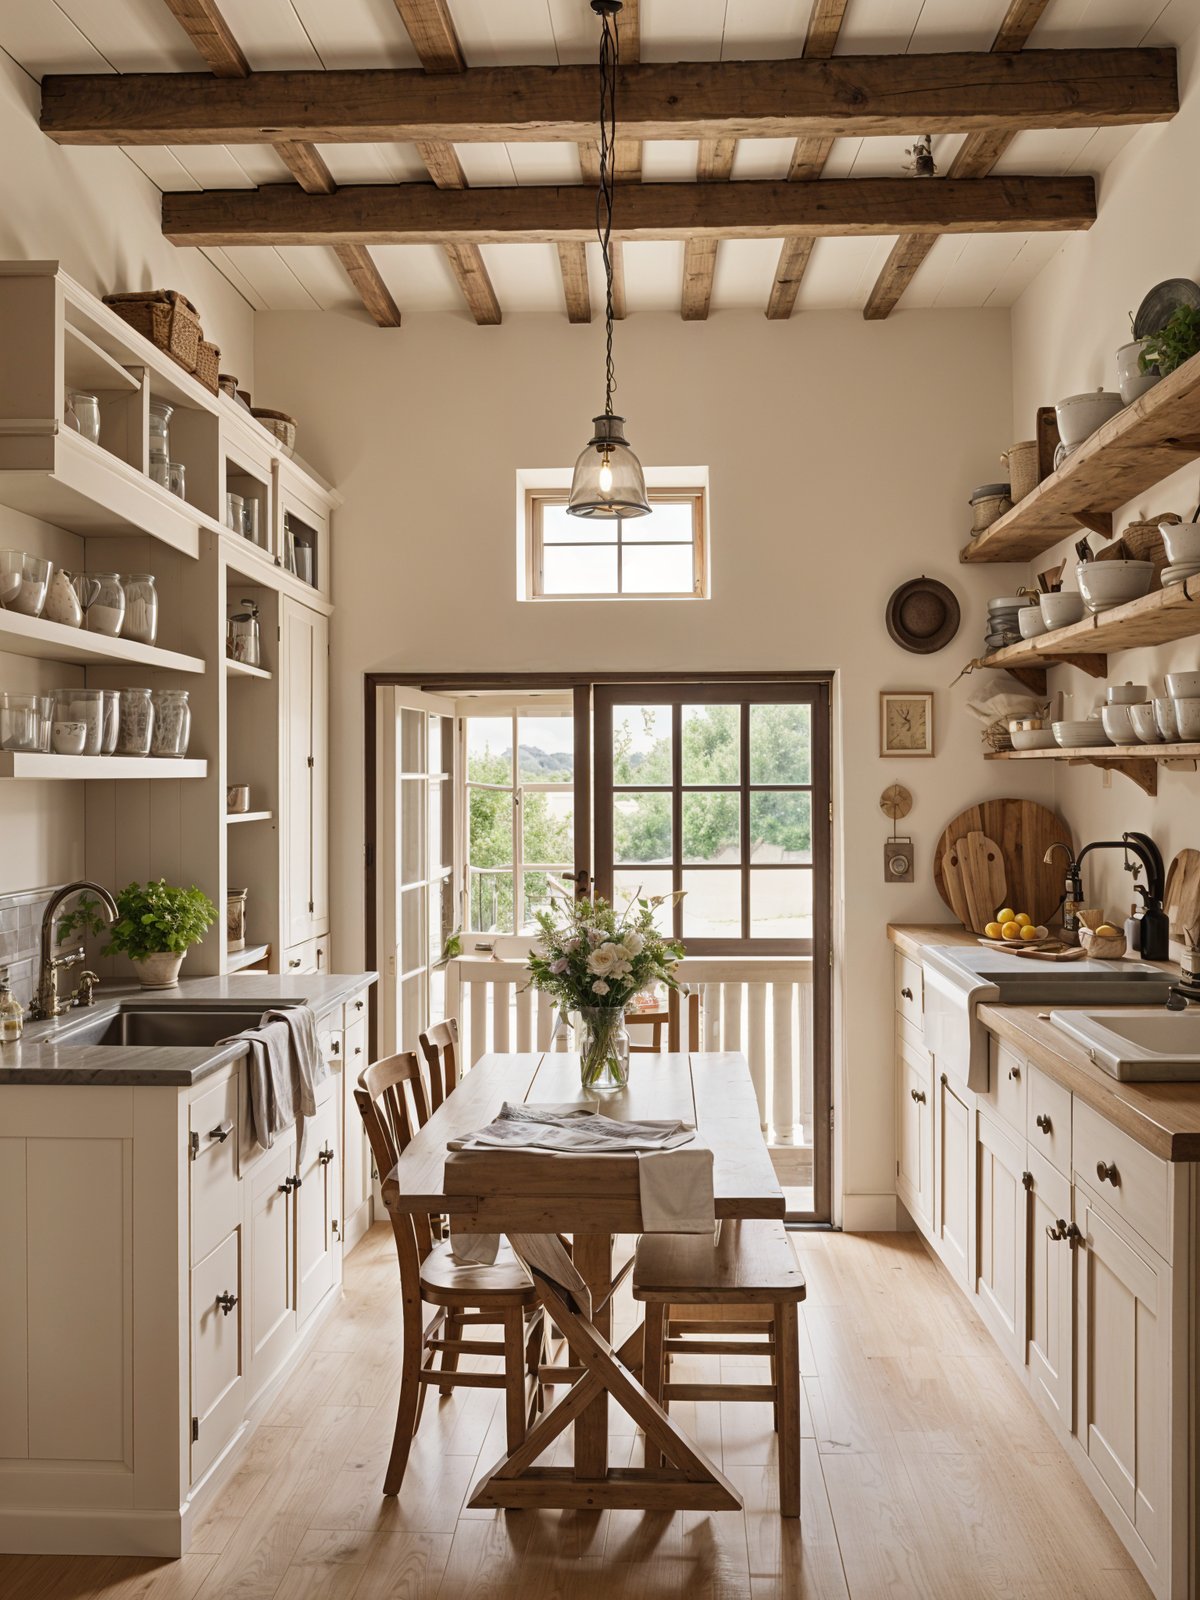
1138,1046
171,1025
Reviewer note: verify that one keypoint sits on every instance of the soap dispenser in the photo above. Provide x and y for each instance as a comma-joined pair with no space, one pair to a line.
1133,930
12,1015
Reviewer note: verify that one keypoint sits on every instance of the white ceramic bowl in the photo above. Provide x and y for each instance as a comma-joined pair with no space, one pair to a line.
1062,609
1179,573
1079,735
1164,715
1118,725
1145,723
1104,584
1183,685
1131,380
1079,415
1182,540
1127,694
1033,739
1031,621
1187,719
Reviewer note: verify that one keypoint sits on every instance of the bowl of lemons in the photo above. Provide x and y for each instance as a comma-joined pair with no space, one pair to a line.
1101,939
1015,930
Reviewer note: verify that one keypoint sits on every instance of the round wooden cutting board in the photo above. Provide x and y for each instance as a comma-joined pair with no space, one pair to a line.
1024,831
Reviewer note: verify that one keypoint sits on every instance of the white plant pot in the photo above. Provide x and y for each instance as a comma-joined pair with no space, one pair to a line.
159,971
1131,380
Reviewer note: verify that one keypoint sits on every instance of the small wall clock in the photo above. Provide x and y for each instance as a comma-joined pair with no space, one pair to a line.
905,723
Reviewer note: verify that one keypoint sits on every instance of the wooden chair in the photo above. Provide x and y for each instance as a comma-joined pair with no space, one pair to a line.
391,1098
751,1274
657,1020
439,1046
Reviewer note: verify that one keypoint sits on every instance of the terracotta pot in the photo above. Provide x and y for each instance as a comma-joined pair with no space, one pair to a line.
159,971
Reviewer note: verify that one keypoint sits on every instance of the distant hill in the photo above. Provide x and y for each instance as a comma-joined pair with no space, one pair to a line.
546,766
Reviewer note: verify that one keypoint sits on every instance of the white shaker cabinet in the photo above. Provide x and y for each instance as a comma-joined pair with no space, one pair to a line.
1050,1305
952,1178
914,1125
305,799
1000,1229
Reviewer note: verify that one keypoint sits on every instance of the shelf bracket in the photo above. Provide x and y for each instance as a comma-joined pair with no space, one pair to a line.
1143,773
1031,678
1100,522
1094,666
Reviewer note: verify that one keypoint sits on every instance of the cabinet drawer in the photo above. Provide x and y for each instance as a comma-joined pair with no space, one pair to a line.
215,1138
354,1046
1134,1183
330,1044
310,956
217,1364
910,993
1048,1119
1005,1095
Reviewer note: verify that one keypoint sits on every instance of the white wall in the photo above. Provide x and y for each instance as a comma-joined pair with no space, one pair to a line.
841,456
1066,328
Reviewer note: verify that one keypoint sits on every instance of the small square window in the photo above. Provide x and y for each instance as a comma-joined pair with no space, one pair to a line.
656,557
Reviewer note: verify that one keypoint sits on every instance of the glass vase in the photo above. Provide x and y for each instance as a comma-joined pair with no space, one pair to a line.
603,1049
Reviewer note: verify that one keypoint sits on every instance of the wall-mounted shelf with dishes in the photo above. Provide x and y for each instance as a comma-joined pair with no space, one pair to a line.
53,641
1141,445
22,764
1138,762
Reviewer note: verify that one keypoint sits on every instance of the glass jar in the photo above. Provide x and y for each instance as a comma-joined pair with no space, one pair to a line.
83,414
141,608
235,919
172,723
160,432
21,722
177,479
235,511
112,721
137,722
603,1043
35,580
242,640
47,710
106,609
86,706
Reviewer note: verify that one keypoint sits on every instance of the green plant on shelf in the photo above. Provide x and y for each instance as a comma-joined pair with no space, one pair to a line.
1175,342
152,919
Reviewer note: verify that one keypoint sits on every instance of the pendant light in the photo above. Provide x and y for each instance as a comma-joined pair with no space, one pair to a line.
608,480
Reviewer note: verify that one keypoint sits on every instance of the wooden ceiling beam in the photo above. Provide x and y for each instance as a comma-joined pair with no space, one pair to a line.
843,97
411,213
572,262
434,36
364,275
714,164
204,25
977,155
307,165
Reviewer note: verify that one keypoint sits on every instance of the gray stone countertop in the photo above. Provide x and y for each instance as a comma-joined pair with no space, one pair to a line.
42,1056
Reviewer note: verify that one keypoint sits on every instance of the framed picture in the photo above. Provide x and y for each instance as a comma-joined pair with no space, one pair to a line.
905,723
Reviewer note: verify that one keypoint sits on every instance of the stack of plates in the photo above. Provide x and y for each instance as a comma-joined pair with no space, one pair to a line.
1003,626
1181,571
1080,735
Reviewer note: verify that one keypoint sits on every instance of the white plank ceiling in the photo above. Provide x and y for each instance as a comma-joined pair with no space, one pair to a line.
972,270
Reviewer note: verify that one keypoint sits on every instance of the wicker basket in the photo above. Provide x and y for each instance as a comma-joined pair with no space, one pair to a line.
1022,463
208,360
997,736
166,318
1145,543
278,424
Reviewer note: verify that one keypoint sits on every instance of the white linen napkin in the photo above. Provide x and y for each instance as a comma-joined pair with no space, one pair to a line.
677,1191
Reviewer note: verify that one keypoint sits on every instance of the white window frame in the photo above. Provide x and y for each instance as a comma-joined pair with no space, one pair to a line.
536,499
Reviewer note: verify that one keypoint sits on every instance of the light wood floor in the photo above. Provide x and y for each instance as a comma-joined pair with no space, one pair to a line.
927,1475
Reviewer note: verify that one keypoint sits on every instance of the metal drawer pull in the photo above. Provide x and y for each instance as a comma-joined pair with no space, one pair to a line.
335,1047
1074,1237
294,962
288,1185
907,994
1027,1180
1015,1074
325,1156
918,1095
1107,1173
227,1302
1043,1122
221,1132
1058,1231
358,1005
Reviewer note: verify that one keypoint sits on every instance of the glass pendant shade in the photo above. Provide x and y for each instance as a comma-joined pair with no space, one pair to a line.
608,480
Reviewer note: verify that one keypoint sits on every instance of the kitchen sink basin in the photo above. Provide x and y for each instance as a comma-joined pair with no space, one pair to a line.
1138,1046
172,1025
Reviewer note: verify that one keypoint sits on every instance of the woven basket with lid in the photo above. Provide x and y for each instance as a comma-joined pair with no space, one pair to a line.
165,317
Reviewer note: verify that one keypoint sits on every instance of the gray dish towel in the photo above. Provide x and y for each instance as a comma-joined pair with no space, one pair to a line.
285,1065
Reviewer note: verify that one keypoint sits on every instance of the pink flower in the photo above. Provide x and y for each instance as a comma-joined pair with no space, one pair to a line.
560,965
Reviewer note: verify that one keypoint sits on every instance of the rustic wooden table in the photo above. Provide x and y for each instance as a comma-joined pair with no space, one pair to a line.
518,1192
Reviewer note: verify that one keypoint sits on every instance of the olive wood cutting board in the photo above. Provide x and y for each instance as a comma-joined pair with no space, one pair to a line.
1023,831
973,870
1181,901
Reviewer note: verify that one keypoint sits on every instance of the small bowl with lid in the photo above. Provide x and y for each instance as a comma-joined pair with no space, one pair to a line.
1127,694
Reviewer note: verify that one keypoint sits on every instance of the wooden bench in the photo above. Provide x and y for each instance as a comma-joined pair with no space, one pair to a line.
702,1298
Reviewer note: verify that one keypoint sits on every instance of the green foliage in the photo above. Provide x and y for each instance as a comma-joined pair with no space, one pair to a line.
589,956
151,919
1175,342
547,836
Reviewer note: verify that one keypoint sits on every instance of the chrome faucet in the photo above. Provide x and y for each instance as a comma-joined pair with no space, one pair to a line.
47,1004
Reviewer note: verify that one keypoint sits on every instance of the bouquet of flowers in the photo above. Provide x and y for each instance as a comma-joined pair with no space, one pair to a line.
593,962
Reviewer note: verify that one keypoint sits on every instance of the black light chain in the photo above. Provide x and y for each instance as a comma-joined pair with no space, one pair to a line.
609,61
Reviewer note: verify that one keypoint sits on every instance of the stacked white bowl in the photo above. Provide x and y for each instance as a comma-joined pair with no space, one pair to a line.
1183,690
1182,540
1122,700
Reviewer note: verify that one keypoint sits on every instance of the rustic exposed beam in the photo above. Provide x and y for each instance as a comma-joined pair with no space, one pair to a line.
824,25
410,213
793,264
845,96
307,165
467,265
364,275
432,31
572,261
714,164
977,155
204,25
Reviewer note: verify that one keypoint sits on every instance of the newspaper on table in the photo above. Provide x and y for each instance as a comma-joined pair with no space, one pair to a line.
571,1129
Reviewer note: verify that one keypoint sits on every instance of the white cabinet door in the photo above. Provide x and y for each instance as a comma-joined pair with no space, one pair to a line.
914,1130
1123,1382
306,772
1000,1235
952,1180
272,1281
319,737
1050,1307
356,1167
318,1208
217,1363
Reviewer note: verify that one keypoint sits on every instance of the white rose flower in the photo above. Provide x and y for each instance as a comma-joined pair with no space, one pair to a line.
602,960
634,943
599,987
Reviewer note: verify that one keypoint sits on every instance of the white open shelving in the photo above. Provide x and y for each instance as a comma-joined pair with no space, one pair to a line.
249,816
235,960
242,669
52,641
19,764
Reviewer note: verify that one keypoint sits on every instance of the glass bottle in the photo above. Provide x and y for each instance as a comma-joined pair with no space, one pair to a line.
83,413
172,723
137,722
160,442
106,612
12,1017
141,608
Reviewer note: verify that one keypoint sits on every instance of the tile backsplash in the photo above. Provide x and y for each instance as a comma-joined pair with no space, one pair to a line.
20,935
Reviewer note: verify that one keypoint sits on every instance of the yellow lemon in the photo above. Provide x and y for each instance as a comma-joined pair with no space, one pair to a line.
1029,932
1107,931
993,930
1024,919
1043,932
1011,931
1007,915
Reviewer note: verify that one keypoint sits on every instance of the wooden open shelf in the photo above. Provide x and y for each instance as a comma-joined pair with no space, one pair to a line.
1141,445
51,641
243,669
18,764
1140,762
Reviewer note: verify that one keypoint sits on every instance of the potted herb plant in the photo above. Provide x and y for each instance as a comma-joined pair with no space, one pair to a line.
1175,342
593,962
156,925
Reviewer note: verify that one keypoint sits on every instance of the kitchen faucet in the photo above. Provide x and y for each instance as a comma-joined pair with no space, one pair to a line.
1156,925
1073,896
47,1004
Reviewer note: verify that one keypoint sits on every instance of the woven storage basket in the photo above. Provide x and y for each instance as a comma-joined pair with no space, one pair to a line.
1022,462
166,318
280,425
996,735
208,361
1145,543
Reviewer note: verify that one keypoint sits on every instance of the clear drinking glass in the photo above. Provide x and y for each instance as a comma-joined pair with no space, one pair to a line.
234,511
47,712
86,706
137,722
160,433
112,721
85,408
106,613
21,722
35,580
12,576
141,608
172,723
177,479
